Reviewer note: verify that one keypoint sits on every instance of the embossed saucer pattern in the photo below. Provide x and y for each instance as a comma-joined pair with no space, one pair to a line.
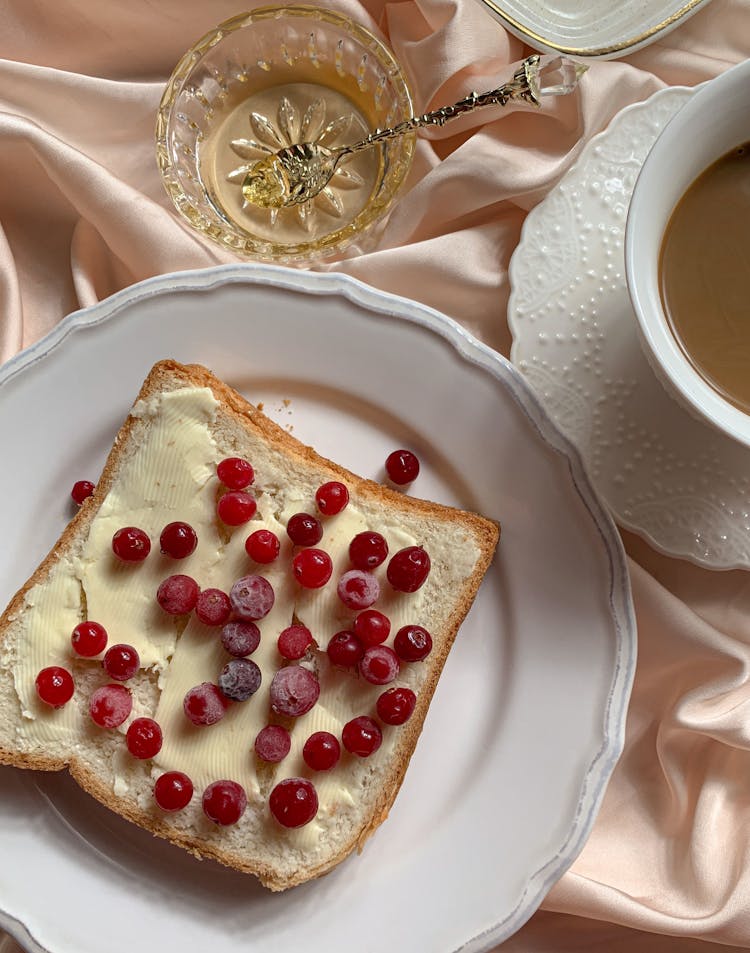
663,473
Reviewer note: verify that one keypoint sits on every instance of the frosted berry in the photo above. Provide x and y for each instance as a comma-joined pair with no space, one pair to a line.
262,546
178,594
235,473
368,550
345,649
294,691
110,705
213,607
395,706
273,743
358,589
379,665
372,627
331,498
178,540
224,802
131,544
240,638
362,736
294,802
236,507
312,568
239,679
121,662
402,466
173,791
88,639
204,704
294,641
252,597
144,738
304,529
54,686
321,751
408,569
82,490
412,643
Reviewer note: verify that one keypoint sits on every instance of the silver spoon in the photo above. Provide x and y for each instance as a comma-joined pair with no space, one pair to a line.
297,173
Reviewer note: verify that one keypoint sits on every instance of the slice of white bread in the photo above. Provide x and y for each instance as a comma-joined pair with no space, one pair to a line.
162,468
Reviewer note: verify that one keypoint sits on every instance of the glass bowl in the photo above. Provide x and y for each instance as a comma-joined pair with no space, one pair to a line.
267,79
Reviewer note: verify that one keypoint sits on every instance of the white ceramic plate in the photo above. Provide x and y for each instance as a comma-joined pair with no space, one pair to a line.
663,473
528,719
591,29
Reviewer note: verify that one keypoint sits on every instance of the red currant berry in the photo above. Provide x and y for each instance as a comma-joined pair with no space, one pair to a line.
88,639
144,738
294,641
121,662
362,736
379,665
110,705
262,546
331,498
224,802
345,649
402,467
213,607
368,550
205,704
396,706
273,743
372,627
235,473
131,544
173,791
252,597
358,589
82,490
304,529
239,679
312,568
54,685
178,540
412,643
178,594
294,802
321,751
236,507
294,691
408,569
240,638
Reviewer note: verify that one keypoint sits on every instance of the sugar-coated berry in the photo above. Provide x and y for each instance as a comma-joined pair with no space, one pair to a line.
252,597
224,802
294,690
204,704
262,546
368,550
408,569
402,467
240,638
131,544
362,736
82,490
331,497
294,641
178,540
273,743
312,568
178,594
110,705
294,802
321,751
304,529
235,473
88,639
345,649
239,679
412,643
173,791
372,627
212,607
396,706
54,686
144,738
358,589
379,665
236,507
121,662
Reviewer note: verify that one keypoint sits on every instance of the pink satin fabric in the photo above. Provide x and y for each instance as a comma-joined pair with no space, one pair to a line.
83,214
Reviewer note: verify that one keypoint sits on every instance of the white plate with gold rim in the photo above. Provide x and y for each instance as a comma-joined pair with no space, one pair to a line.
529,717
